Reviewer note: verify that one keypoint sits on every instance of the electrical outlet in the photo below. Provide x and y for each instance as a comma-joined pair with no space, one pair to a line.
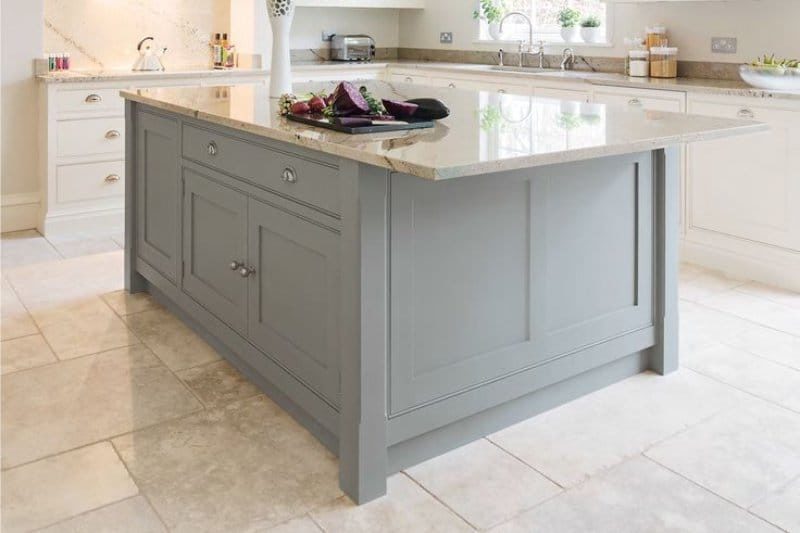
327,36
724,45
446,37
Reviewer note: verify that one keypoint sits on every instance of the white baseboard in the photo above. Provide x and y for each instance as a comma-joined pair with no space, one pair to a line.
106,222
19,212
741,258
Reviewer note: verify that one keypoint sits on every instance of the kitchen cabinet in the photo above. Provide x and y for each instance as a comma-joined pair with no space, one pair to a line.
480,84
649,99
568,92
747,189
416,79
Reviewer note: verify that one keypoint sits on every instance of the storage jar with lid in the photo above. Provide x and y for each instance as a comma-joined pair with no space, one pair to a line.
664,62
639,63
656,36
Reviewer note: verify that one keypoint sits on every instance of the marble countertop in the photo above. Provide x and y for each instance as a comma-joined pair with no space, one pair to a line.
486,132
82,76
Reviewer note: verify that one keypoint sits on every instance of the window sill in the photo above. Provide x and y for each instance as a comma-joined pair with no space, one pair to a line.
546,43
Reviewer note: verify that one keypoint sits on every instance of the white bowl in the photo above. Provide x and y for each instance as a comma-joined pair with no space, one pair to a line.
773,78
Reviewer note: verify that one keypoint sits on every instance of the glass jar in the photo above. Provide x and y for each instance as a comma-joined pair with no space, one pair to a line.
639,63
656,36
664,62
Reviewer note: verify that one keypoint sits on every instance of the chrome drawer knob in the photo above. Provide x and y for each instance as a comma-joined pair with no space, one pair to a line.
246,272
236,265
635,102
93,99
112,178
501,91
289,175
212,149
409,79
746,113
113,134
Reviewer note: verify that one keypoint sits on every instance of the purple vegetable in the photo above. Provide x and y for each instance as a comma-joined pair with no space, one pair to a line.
400,109
352,122
348,100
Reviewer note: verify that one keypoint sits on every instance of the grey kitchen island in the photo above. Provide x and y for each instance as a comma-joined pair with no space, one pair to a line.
403,294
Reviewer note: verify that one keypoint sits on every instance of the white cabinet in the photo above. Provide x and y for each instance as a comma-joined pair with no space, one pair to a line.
498,85
416,79
349,72
650,99
565,91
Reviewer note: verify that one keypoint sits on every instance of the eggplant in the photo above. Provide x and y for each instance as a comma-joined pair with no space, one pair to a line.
430,108
400,109
348,100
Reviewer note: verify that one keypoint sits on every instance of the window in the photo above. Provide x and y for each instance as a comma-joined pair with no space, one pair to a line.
544,15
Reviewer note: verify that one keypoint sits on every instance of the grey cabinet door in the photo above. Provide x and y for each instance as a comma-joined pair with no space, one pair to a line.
214,237
493,277
158,193
294,299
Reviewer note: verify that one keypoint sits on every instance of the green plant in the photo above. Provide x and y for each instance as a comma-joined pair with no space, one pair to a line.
591,22
491,118
491,11
569,17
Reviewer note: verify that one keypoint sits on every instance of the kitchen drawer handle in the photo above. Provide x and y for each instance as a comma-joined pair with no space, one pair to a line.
289,175
746,113
501,91
112,178
635,102
212,149
409,79
93,99
236,265
113,134
246,272
451,85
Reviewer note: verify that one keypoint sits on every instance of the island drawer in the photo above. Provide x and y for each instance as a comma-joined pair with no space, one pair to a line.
300,178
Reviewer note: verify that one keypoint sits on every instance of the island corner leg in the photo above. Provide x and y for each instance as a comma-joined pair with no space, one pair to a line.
134,282
363,415
666,168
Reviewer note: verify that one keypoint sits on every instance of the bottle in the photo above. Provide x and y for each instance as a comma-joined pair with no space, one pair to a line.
67,62
59,62
224,43
231,56
216,47
51,62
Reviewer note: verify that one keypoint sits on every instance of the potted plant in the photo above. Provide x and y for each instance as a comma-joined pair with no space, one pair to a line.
492,11
590,29
569,19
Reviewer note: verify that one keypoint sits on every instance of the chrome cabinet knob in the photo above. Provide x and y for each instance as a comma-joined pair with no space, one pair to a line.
746,113
113,134
236,265
112,178
246,272
289,175
93,99
501,91
635,102
409,79
451,85
212,149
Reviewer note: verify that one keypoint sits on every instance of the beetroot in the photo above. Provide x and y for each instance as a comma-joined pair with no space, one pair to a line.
348,100
317,104
400,109
300,108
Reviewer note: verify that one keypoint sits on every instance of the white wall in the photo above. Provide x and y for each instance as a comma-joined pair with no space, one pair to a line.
21,36
382,24
760,25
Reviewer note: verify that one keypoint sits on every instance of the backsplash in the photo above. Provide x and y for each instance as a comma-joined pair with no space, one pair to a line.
102,34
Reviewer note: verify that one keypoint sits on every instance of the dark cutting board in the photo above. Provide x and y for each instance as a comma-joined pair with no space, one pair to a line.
375,128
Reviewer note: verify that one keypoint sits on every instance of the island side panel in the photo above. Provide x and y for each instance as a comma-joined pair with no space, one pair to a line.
134,282
364,340
666,170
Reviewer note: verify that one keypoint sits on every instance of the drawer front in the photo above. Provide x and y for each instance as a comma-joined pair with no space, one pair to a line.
640,101
90,100
93,181
406,78
93,136
315,183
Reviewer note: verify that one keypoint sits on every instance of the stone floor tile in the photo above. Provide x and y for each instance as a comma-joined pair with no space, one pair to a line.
83,328
759,310
776,294
298,525
781,508
483,484
124,303
405,508
245,466
750,373
697,283
82,246
743,454
53,489
218,383
638,496
58,407
25,352
15,321
171,340
23,248
133,515
598,431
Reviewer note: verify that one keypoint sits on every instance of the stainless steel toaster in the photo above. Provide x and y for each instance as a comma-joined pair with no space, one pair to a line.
352,48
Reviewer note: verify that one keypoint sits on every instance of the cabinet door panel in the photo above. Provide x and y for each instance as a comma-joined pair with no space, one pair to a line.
748,187
294,298
575,95
215,235
158,193
641,99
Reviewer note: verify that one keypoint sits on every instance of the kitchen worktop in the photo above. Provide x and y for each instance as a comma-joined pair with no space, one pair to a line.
536,131
110,75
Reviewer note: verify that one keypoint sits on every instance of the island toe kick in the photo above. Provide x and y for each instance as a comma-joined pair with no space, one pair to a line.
397,317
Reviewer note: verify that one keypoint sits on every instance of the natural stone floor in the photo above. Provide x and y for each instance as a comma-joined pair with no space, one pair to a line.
117,418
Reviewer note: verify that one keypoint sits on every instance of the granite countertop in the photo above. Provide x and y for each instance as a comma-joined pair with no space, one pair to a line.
82,76
486,132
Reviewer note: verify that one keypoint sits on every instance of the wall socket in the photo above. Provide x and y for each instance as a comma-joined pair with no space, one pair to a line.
724,45
446,37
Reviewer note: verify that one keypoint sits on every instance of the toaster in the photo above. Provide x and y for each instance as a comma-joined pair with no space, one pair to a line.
352,48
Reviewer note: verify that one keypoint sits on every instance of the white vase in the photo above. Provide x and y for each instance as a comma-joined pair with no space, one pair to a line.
571,35
591,35
281,14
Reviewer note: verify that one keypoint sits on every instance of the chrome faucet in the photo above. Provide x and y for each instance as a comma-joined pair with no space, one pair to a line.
540,53
567,59
522,48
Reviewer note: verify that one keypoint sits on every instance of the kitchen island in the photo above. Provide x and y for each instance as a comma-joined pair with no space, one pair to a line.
402,294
